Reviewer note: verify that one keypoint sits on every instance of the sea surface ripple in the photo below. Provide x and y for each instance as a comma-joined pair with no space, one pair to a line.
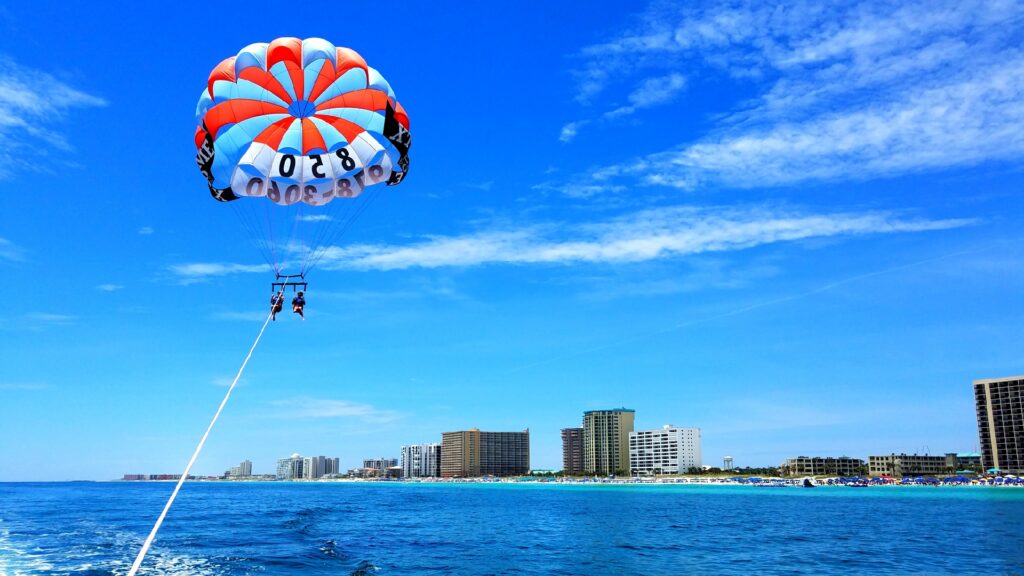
95,529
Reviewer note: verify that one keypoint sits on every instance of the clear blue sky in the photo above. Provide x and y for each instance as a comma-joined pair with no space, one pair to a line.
797,228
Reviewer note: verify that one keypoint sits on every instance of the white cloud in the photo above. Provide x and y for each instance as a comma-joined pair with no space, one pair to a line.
252,316
651,92
10,251
225,381
145,231
484,186
958,124
50,319
109,287
23,386
570,130
305,407
579,190
315,218
646,235
201,271
32,103
862,90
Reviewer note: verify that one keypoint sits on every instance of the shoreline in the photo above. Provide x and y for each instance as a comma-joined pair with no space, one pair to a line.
760,482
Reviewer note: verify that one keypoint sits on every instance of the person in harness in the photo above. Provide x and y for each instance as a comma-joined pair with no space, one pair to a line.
298,303
276,303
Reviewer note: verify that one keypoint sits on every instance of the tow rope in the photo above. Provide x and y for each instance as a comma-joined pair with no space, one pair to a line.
199,448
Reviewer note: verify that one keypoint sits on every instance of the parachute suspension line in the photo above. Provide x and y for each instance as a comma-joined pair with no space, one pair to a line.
335,212
341,215
248,222
374,193
273,247
199,448
294,238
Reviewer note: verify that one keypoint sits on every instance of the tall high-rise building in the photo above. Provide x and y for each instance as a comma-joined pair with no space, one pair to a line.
471,453
295,467
333,466
421,460
606,440
572,450
243,469
290,468
314,467
669,450
460,454
1000,407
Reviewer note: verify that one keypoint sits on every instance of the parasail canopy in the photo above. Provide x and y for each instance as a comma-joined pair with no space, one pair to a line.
302,124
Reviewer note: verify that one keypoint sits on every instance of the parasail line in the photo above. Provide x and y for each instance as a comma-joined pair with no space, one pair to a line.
199,448
338,235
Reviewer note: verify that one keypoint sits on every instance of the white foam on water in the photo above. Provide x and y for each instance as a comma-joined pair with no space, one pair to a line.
85,556
16,561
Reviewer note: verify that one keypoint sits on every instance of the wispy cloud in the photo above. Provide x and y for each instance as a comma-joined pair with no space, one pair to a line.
651,92
23,386
10,251
957,124
39,319
315,218
191,273
32,105
145,231
484,186
859,90
306,407
570,130
579,190
109,287
251,316
642,236
225,381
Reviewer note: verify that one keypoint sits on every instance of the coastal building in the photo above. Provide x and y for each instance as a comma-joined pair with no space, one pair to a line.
966,461
472,453
421,460
899,465
606,440
243,469
727,463
668,450
380,464
315,467
296,467
822,466
460,454
155,477
999,403
572,450
290,468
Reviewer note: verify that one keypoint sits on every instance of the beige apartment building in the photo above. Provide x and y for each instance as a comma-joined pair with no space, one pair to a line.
1000,407
472,453
606,440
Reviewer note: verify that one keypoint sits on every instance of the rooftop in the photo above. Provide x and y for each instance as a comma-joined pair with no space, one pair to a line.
995,380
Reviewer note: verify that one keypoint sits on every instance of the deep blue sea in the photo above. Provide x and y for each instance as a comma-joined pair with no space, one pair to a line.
393,528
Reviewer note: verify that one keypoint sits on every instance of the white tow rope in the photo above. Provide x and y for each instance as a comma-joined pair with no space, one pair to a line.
199,448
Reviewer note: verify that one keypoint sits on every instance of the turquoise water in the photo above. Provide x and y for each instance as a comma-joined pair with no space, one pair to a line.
342,528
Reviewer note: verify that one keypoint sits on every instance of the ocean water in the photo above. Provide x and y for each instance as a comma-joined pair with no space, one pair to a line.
392,528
